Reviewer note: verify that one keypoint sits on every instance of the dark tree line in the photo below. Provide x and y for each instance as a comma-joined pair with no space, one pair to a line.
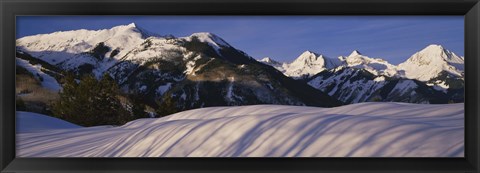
92,102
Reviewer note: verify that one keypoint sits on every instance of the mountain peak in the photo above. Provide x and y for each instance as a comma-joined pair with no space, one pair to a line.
431,61
266,59
308,64
355,53
133,28
132,25
309,52
434,48
203,34
308,57
127,26
270,61
209,38
435,52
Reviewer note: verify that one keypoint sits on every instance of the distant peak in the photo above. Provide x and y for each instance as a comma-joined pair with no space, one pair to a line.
309,57
309,54
434,47
266,59
135,28
269,60
203,35
210,38
355,53
132,25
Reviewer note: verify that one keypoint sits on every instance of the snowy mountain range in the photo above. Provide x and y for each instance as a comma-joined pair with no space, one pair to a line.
432,75
203,70
199,70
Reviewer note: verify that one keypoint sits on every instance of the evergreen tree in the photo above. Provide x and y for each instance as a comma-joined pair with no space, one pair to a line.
91,102
138,107
67,98
167,107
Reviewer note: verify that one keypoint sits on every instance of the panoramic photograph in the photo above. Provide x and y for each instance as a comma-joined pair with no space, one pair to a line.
240,86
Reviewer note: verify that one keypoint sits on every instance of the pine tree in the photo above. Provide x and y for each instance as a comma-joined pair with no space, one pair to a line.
167,107
138,107
138,110
91,102
67,99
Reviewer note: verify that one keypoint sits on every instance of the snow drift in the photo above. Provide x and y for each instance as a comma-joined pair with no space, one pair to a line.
358,130
33,122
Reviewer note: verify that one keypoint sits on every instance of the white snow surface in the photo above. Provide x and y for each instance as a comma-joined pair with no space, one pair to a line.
28,122
358,130
48,81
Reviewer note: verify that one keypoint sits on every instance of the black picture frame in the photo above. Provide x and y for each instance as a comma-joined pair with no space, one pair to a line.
11,8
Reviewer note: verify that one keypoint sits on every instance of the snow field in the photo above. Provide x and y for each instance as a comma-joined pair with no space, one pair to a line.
358,130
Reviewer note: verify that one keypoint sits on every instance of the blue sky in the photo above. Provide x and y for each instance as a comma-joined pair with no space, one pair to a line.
393,38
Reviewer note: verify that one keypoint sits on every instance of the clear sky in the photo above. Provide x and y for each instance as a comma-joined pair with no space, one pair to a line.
393,38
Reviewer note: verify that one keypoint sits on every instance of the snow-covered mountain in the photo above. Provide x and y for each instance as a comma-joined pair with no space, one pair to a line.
309,64
430,62
358,130
433,75
199,70
304,66
375,66
74,49
436,66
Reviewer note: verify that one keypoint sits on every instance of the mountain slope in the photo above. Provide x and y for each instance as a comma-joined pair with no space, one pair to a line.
349,85
196,73
46,80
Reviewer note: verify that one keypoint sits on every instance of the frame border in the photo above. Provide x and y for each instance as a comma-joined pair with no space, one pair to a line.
12,8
